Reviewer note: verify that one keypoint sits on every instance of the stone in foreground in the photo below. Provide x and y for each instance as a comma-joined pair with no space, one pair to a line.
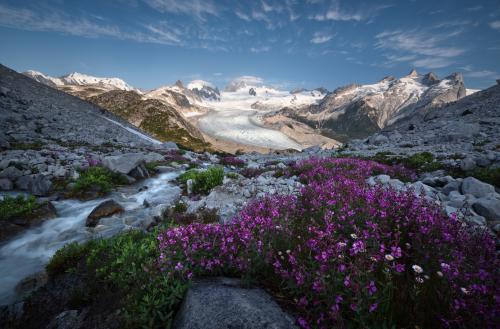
222,303
105,209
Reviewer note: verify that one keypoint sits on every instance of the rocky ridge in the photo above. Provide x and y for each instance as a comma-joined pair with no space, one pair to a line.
356,111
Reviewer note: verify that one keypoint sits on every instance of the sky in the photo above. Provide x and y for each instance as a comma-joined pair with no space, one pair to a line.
287,43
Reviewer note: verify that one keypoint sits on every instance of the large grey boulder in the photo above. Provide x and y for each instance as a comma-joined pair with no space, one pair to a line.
222,303
11,173
488,207
36,184
473,186
123,163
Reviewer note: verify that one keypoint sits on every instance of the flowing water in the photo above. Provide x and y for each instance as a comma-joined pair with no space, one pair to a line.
29,251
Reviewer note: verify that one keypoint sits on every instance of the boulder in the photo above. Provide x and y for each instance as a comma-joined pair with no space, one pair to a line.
70,319
467,164
451,186
5,184
153,157
378,139
139,172
225,303
169,146
473,186
105,209
31,283
488,207
40,185
11,173
123,163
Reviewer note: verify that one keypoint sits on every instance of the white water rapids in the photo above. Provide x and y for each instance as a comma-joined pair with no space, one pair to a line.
28,252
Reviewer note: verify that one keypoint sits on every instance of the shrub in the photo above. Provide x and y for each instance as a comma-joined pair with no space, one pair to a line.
232,161
124,266
98,178
204,180
16,207
67,258
350,255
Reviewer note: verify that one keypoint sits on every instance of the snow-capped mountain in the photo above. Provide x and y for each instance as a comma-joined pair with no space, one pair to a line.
204,90
249,92
79,79
358,110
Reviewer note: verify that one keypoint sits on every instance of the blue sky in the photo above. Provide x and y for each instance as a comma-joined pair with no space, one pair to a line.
289,43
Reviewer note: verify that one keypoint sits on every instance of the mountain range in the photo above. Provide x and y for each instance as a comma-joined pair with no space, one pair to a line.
305,117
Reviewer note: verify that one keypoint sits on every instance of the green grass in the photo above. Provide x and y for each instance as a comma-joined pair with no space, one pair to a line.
203,180
232,175
125,267
27,146
16,207
99,179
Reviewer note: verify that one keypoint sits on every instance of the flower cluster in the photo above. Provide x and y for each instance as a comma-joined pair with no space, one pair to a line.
350,255
232,161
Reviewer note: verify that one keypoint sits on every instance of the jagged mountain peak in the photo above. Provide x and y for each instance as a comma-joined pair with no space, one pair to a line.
413,74
430,78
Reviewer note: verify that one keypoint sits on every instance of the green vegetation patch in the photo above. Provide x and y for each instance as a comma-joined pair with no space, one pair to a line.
203,180
19,206
125,268
99,179
156,123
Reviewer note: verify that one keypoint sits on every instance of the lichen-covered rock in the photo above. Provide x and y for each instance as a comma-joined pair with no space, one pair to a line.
223,303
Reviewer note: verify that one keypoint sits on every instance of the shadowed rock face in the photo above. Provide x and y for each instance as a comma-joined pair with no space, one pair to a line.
223,303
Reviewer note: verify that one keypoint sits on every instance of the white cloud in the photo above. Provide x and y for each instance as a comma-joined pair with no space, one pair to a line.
243,16
336,13
433,62
495,25
196,8
321,37
262,49
421,48
470,72
474,8
55,21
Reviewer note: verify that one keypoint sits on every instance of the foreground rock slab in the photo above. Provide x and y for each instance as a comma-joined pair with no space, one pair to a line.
105,209
222,303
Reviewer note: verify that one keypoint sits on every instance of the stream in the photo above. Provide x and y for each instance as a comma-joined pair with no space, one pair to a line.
29,251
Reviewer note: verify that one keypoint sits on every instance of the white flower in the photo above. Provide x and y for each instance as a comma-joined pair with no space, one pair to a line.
465,291
389,257
280,253
288,251
427,277
354,236
417,269
439,273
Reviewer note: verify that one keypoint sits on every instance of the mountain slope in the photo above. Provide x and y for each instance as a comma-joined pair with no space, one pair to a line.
158,112
33,112
153,116
355,111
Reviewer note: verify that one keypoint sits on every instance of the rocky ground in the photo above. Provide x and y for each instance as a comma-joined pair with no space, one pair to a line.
464,133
